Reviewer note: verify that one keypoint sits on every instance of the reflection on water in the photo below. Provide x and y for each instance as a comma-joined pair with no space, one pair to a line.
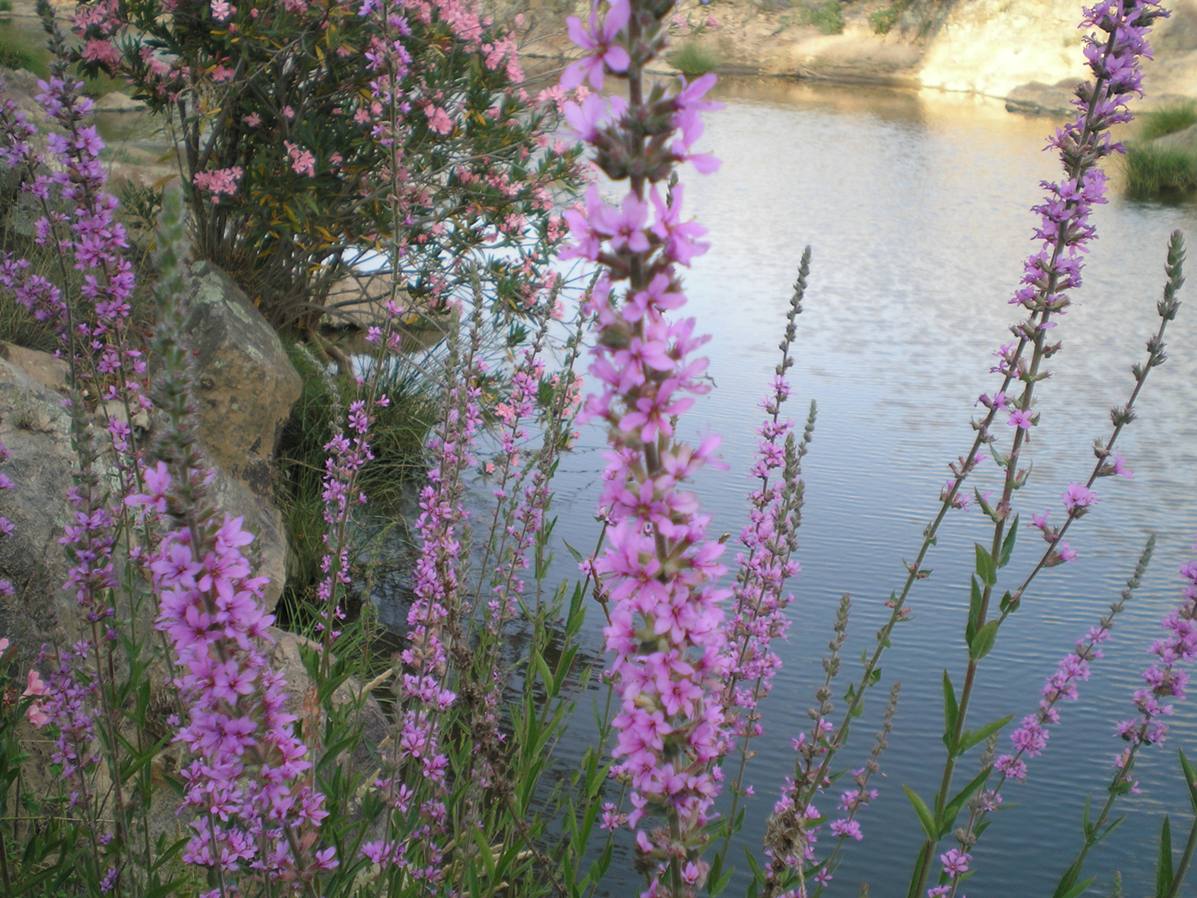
916,208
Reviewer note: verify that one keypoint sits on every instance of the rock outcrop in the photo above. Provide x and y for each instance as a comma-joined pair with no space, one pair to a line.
246,387
1014,50
36,430
246,384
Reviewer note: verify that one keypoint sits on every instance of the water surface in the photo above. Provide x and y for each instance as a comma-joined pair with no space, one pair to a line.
916,209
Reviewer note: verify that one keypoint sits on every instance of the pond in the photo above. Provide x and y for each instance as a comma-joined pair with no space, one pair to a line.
916,208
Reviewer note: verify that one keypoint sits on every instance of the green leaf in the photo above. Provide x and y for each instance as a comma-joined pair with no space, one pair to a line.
543,670
1109,829
1077,890
926,818
1008,543
982,642
1190,779
1163,867
950,709
953,808
971,737
986,569
974,609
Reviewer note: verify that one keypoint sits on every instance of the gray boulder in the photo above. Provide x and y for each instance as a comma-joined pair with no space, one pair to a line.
37,432
245,382
245,387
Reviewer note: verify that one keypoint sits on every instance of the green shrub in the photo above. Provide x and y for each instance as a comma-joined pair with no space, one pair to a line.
1160,172
692,58
17,51
1168,120
883,20
275,106
825,15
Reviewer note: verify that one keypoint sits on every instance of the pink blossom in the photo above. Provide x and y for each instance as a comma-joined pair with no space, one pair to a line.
302,160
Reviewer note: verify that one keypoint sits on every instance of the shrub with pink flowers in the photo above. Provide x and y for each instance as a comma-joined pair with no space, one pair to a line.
289,116
170,739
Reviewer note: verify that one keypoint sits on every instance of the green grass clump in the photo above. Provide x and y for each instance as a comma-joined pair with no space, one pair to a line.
18,51
883,20
5,6
1168,120
825,16
692,58
1160,172
397,436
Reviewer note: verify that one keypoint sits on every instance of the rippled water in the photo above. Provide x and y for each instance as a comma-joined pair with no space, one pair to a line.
916,209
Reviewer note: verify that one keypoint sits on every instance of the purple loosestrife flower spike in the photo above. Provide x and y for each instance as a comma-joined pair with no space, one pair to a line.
248,779
1031,737
7,590
1050,272
660,567
769,540
417,782
1164,682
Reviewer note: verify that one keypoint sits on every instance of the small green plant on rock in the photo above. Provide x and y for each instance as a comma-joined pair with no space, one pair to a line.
825,15
884,19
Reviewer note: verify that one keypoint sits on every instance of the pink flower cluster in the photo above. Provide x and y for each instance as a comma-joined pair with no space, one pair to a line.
660,568
347,454
219,181
1031,737
248,778
303,162
760,599
1166,679
417,781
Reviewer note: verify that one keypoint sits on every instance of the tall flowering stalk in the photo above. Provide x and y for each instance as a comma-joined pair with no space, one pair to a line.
765,566
248,779
660,567
792,829
1049,274
1078,498
1030,738
90,309
856,797
1164,682
769,540
523,496
416,783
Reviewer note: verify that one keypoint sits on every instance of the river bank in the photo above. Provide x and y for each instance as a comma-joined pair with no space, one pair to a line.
1023,52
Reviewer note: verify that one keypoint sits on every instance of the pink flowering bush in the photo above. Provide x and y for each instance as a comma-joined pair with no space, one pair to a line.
291,114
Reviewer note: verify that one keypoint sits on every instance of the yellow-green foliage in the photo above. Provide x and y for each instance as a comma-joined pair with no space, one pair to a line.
1160,172
824,15
1168,120
692,58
